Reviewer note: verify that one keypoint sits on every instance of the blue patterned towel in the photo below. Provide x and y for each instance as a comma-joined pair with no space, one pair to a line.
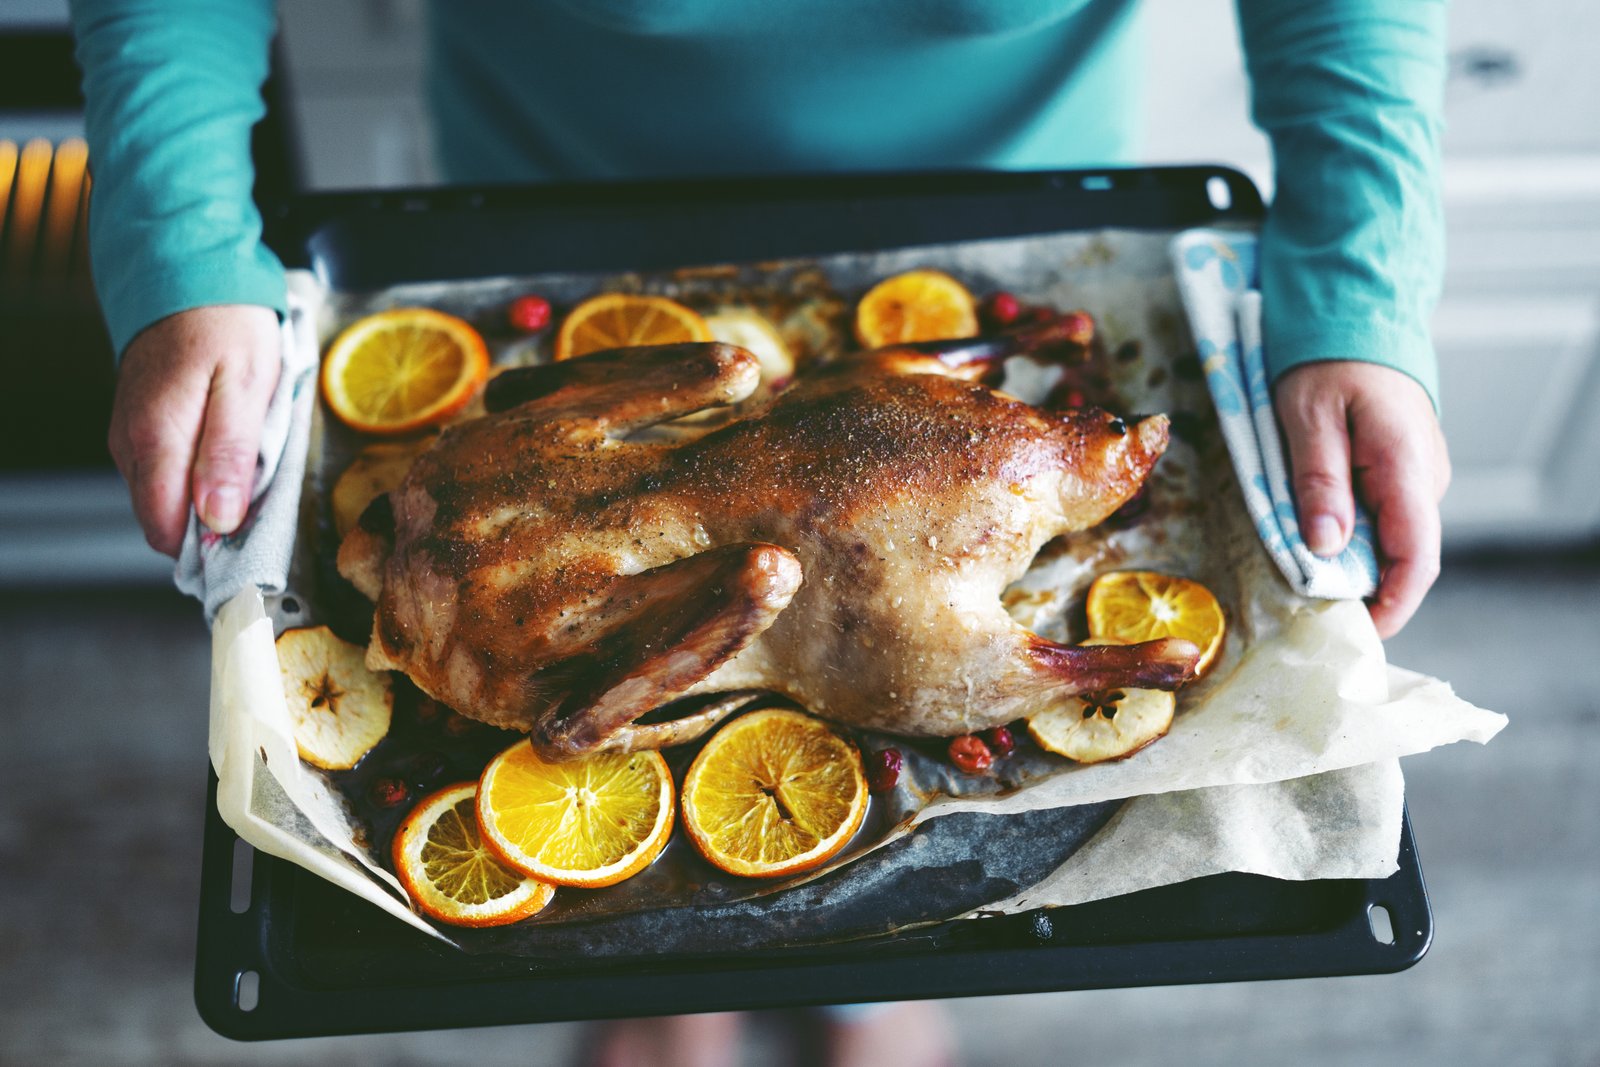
1216,271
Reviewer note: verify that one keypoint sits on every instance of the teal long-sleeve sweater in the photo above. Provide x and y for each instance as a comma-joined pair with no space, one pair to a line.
1349,92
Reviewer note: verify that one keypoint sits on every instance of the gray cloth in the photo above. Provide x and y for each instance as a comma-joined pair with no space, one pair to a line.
215,567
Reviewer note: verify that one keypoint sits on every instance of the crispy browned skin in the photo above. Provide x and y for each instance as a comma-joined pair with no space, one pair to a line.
845,546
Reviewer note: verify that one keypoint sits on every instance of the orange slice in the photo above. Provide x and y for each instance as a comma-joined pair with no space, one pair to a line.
621,320
919,305
338,709
774,793
1132,606
400,370
441,860
589,822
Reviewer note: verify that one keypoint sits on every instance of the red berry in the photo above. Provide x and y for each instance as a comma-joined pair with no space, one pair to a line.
970,754
1001,309
1000,740
883,770
387,792
530,314
1080,327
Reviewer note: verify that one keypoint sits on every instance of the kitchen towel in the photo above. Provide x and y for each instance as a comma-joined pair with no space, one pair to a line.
1216,273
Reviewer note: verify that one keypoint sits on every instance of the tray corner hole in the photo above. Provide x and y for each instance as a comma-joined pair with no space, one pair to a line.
1096,183
1382,926
1219,193
244,862
247,990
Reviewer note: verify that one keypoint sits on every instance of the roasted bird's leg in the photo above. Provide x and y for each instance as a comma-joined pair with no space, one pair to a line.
1066,338
661,631
1074,669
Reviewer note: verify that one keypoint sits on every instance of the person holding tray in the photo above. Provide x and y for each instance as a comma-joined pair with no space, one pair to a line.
1349,91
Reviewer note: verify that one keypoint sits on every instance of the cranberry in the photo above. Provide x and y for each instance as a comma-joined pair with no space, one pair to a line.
1001,309
530,314
970,754
1073,398
1000,740
883,770
388,792
1080,327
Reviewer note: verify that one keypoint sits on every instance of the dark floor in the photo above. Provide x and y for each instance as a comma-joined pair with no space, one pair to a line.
100,833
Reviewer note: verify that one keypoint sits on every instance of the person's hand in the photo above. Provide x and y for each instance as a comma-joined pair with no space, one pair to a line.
1345,417
192,394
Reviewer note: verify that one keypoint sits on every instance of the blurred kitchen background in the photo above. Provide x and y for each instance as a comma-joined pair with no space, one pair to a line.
107,668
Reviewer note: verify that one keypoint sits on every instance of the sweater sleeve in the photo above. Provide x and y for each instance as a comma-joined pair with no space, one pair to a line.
1350,92
173,88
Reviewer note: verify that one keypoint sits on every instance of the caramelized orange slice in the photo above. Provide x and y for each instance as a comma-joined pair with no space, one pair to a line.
774,793
622,320
919,305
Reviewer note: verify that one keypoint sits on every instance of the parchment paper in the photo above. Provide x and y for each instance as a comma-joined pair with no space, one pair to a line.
1281,761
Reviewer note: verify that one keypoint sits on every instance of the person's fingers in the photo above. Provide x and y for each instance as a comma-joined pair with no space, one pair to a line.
225,463
1402,475
159,484
1318,437
154,426
191,394
1408,538
1344,415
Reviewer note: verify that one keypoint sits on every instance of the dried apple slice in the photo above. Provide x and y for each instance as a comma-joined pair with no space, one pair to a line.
378,469
1096,727
338,709
1108,725
752,331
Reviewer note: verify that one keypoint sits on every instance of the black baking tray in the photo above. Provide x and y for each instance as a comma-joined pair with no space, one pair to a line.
282,953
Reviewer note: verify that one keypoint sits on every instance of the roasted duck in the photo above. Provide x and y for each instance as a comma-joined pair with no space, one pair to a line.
844,544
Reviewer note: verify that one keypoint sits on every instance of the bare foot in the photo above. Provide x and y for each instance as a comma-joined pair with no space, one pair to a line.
670,1041
912,1034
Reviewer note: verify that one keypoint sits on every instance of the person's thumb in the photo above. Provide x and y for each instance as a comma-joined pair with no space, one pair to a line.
225,462
1318,436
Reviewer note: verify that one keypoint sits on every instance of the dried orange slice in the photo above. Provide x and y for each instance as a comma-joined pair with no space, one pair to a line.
1132,606
441,860
338,709
919,305
589,822
400,370
774,793
621,320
